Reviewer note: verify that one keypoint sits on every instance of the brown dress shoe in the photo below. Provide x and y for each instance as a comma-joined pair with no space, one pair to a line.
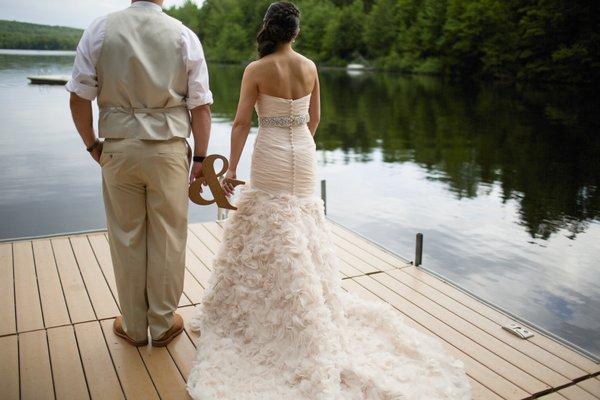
118,330
169,335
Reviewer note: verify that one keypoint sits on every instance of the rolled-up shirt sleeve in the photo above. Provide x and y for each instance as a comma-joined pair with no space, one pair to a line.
84,80
198,84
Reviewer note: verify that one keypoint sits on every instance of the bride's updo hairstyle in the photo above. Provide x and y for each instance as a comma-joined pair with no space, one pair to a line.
280,25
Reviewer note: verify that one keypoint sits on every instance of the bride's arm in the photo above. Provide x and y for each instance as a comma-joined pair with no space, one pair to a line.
243,121
314,109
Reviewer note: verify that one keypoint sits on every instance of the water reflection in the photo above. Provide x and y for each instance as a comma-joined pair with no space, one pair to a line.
540,146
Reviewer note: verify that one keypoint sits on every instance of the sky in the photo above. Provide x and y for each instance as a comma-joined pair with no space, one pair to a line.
74,13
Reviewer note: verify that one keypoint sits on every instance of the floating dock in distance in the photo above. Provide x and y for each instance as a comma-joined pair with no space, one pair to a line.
49,79
58,300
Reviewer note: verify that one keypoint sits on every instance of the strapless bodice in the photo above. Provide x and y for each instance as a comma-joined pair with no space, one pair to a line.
277,111
283,161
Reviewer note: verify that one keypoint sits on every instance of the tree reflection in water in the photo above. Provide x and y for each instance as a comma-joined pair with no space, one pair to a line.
539,143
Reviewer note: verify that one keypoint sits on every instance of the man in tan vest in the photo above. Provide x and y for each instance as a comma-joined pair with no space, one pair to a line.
149,75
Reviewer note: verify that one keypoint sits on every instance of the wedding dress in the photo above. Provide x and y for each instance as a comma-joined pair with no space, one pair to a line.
275,323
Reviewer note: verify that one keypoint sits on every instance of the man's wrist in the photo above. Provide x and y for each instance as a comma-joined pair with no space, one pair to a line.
93,146
198,158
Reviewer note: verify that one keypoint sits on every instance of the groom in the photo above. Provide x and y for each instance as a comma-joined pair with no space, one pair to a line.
149,75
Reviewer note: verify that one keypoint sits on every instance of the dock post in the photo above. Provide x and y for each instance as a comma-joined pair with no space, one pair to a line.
324,194
222,213
419,249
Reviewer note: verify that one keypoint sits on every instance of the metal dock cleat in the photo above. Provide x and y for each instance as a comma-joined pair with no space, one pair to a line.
518,330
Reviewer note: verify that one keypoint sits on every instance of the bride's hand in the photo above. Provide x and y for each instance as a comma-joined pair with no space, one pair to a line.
228,187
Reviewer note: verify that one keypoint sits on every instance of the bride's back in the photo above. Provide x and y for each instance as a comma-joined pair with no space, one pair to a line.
286,75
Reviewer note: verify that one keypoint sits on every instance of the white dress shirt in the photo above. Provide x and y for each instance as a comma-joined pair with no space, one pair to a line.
84,81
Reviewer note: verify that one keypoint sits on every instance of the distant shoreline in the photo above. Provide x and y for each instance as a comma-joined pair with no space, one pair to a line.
28,36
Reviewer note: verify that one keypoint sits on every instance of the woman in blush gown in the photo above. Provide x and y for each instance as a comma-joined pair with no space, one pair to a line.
275,323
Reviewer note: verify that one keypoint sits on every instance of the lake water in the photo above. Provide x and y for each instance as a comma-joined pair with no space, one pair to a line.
503,182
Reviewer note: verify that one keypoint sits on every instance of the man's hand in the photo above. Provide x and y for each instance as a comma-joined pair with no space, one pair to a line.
97,152
196,172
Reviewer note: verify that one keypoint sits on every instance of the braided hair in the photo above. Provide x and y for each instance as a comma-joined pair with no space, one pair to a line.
280,25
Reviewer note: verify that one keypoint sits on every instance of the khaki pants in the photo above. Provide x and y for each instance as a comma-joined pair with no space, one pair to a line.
145,189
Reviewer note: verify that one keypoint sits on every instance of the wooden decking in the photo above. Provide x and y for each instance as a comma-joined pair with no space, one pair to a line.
58,300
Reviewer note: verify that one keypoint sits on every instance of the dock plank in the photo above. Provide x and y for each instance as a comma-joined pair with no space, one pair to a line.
358,264
98,367
541,355
472,331
347,270
184,301
591,386
99,243
214,227
362,259
575,392
209,240
197,268
192,288
7,292
34,363
129,365
485,376
183,352
69,381
480,392
187,313
51,293
9,367
27,298
165,375
198,248
548,344
78,302
102,299
368,249
458,339
373,249
553,396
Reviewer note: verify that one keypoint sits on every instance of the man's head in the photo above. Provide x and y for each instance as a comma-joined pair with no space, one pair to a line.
159,2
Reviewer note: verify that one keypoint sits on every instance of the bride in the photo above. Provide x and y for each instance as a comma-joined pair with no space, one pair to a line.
275,322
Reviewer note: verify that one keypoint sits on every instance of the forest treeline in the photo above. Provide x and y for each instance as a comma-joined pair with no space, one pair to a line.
23,35
536,40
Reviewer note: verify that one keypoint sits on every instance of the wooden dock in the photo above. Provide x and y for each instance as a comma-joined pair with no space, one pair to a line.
58,300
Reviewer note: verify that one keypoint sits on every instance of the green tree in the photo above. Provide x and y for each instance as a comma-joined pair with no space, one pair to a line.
540,40
188,13
380,28
343,32
316,14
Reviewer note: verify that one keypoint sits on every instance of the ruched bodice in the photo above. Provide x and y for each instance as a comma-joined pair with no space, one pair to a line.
284,159
271,106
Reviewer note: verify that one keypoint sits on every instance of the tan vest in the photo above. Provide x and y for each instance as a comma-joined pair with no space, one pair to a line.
142,78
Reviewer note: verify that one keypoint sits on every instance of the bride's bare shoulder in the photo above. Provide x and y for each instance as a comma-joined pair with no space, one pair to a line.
306,60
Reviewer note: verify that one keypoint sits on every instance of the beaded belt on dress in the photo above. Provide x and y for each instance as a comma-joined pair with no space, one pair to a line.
284,121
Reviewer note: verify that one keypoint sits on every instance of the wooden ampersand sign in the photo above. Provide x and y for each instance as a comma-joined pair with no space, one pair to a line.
211,178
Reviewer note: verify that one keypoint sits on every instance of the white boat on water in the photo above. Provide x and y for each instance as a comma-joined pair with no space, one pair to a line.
355,67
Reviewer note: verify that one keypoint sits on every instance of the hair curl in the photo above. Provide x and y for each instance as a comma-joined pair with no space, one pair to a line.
280,25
